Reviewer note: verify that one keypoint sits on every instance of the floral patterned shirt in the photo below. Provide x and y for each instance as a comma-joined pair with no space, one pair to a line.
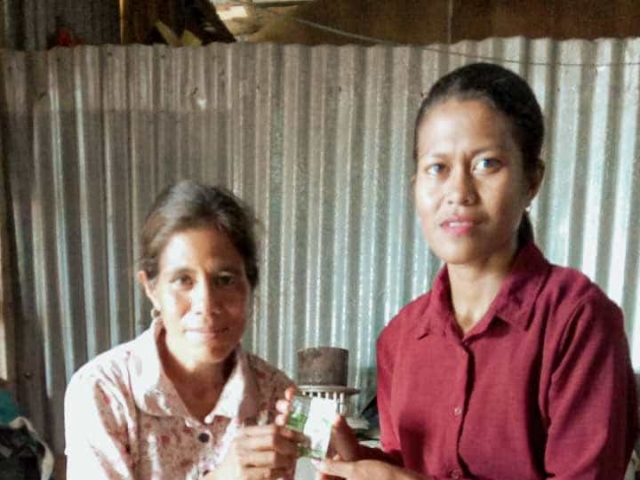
125,420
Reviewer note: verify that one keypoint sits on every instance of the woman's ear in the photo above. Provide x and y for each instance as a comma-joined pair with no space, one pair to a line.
412,191
535,182
149,288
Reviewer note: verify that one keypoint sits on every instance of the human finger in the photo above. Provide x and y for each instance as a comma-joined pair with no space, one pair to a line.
322,476
277,473
265,473
266,460
283,406
271,437
274,431
289,393
334,468
343,440
266,431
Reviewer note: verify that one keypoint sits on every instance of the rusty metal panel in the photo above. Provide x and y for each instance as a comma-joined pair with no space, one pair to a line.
319,141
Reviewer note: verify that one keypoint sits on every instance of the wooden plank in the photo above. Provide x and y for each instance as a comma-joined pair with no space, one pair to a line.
409,21
7,317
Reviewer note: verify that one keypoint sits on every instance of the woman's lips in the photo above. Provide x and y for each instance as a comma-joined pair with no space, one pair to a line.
207,333
458,226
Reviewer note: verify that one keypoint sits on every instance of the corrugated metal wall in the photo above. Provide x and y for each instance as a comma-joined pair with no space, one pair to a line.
318,139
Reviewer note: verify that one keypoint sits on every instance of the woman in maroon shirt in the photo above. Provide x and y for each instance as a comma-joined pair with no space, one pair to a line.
509,368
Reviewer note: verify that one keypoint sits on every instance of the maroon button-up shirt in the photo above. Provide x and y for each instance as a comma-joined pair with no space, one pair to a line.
542,387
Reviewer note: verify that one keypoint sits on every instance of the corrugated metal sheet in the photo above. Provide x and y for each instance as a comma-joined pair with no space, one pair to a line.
318,139
32,24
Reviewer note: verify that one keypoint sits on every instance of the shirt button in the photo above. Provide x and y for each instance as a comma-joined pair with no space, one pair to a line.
455,474
457,412
203,437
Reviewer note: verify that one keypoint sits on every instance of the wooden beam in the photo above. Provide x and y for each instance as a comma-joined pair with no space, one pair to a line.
7,317
261,3
279,3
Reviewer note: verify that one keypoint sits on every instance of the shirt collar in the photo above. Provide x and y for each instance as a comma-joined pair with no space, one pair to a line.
438,314
155,394
513,303
519,292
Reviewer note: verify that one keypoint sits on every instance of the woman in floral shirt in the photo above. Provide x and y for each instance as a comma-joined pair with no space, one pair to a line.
183,400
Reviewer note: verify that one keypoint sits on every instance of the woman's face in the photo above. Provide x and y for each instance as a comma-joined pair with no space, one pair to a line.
470,189
203,295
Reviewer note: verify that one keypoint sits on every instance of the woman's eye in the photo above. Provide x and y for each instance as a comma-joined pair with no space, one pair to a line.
183,281
434,169
487,163
225,280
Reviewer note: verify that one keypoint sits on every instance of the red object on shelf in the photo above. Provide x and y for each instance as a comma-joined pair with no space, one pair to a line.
64,38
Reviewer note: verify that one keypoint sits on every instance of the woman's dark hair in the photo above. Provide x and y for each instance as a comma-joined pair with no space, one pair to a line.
509,94
187,205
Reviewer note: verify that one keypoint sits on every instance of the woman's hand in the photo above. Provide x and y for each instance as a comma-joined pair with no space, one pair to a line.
344,443
365,470
260,453
343,440
284,407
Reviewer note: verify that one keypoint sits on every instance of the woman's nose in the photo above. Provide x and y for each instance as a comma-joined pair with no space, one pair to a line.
461,188
207,298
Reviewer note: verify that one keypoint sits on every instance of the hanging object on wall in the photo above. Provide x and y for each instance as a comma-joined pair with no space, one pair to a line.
164,34
191,22
202,19
65,36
